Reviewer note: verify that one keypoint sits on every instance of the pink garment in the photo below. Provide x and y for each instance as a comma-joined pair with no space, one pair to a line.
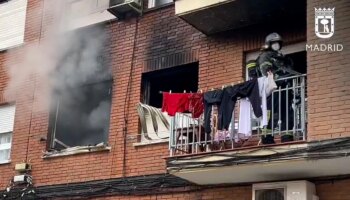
222,135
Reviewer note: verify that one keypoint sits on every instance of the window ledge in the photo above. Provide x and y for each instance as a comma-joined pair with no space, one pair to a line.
11,47
4,162
151,142
75,151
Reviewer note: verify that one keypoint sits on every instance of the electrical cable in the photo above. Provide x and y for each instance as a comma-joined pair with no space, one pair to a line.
127,96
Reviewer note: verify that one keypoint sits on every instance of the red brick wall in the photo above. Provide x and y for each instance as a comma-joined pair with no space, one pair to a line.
23,98
336,190
328,75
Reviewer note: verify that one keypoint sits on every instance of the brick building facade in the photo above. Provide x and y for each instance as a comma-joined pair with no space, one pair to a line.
136,47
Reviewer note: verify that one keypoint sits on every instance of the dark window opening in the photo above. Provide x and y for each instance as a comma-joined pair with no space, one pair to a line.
81,91
299,61
81,116
177,79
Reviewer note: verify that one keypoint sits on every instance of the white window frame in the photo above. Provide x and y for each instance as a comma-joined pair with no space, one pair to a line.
7,146
152,3
96,14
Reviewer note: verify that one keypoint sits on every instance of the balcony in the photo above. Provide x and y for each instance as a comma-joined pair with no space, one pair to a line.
212,16
288,122
207,159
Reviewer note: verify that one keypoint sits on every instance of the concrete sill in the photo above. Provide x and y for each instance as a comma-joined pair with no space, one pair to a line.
152,142
5,162
75,151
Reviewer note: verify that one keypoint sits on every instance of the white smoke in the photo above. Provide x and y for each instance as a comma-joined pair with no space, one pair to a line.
62,60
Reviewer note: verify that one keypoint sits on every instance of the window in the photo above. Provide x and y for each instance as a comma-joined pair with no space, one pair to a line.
79,8
169,79
155,3
12,23
7,115
82,13
82,90
153,84
82,116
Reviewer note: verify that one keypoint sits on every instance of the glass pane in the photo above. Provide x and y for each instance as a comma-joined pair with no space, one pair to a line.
162,2
4,155
5,138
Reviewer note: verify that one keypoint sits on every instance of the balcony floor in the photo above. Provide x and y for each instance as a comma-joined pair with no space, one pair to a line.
265,163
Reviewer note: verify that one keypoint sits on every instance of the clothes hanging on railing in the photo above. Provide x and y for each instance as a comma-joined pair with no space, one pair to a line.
244,123
196,104
230,95
210,98
183,103
175,102
266,87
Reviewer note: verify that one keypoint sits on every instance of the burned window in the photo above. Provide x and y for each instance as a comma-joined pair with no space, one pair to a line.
80,109
82,116
177,79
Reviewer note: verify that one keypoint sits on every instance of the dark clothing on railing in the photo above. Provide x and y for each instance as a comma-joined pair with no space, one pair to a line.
284,107
210,98
230,95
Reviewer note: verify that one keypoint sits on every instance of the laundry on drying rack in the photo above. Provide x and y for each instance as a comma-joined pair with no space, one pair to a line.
249,89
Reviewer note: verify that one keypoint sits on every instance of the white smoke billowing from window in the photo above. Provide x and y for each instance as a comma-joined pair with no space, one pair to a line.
60,61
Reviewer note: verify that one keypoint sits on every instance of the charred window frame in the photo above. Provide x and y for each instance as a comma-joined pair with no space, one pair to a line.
81,119
81,91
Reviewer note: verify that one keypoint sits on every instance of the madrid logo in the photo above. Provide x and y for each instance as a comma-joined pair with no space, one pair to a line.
324,22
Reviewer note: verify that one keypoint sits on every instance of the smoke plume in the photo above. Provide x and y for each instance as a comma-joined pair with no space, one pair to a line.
59,65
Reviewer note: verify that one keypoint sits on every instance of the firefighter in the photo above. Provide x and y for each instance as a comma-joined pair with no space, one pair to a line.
271,59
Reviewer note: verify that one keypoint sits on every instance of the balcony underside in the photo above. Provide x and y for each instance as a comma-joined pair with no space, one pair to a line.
274,163
212,16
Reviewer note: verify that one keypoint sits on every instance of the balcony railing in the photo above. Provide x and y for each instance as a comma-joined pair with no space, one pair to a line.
288,120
